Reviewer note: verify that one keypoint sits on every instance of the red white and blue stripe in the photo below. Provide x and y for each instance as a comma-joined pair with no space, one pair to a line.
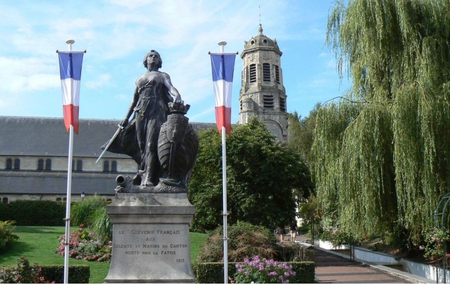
222,74
70,63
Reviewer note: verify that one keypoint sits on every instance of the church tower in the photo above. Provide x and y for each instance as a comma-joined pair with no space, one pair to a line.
262,92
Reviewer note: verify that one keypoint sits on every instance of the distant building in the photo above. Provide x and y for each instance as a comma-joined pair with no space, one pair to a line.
34,153
262,92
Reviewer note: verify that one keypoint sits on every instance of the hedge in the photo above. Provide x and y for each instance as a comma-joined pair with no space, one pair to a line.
212,272
34,212
77,274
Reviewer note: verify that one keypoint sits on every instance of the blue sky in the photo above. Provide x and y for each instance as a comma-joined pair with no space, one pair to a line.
117,34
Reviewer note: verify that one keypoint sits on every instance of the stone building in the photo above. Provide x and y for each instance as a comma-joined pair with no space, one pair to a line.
262,91
34,154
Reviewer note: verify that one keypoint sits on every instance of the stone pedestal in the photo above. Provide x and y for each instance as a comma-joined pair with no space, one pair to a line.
150,238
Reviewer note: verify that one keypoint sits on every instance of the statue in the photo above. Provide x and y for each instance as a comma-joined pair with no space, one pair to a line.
165,150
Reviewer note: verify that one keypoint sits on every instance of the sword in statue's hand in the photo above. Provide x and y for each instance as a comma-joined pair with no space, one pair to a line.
110,142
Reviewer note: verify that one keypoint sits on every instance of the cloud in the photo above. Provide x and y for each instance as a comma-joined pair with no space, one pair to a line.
27,75
100,82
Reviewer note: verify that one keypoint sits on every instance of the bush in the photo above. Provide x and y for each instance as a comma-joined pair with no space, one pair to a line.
91,212
22,273
212,272
244,240
86,245
264,271
25,273
34,212
6,235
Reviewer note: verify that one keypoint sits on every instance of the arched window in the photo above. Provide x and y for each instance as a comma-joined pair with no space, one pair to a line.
8,164
48,165
114,166
79,165
40,166
5,200
106,166
16,164
58,199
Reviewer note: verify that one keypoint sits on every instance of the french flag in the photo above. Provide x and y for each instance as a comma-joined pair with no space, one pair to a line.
70,63
222,73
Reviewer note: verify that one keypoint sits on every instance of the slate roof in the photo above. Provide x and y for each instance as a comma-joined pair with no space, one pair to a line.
43,136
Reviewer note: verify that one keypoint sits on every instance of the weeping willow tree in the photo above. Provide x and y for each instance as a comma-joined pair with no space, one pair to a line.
382,152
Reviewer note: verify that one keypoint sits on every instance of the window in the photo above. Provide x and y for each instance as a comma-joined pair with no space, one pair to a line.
5,200
266,72
114,166
16,164
9,164
283,104
40,166
277,74
79,166
268,101
58,199
48,165
106,166
252,73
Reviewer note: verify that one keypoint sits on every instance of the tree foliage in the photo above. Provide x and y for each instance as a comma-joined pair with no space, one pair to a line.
381,155
301,133
262,178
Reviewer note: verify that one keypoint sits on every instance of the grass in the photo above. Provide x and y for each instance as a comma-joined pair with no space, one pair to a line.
39,243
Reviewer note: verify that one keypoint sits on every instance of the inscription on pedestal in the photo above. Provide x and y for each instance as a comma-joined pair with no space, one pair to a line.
162,244
150,238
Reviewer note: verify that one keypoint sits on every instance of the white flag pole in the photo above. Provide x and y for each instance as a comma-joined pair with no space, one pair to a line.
224,189
69,192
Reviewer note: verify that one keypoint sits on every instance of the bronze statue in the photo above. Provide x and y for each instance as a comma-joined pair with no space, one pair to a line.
154,99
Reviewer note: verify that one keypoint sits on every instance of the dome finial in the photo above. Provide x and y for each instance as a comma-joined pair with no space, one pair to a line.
260,25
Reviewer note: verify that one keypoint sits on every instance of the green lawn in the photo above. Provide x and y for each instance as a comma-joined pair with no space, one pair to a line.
39,244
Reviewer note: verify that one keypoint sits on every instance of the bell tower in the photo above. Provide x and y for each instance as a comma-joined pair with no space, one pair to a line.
262,92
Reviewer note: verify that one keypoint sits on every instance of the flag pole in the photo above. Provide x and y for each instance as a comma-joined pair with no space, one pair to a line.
224,190
69,193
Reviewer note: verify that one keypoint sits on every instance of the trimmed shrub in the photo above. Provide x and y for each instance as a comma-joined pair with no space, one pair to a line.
212,272
34,212
77,274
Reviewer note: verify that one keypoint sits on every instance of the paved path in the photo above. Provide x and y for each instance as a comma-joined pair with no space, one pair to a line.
335,269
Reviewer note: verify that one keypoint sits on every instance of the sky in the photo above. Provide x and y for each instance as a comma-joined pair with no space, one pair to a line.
117,34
